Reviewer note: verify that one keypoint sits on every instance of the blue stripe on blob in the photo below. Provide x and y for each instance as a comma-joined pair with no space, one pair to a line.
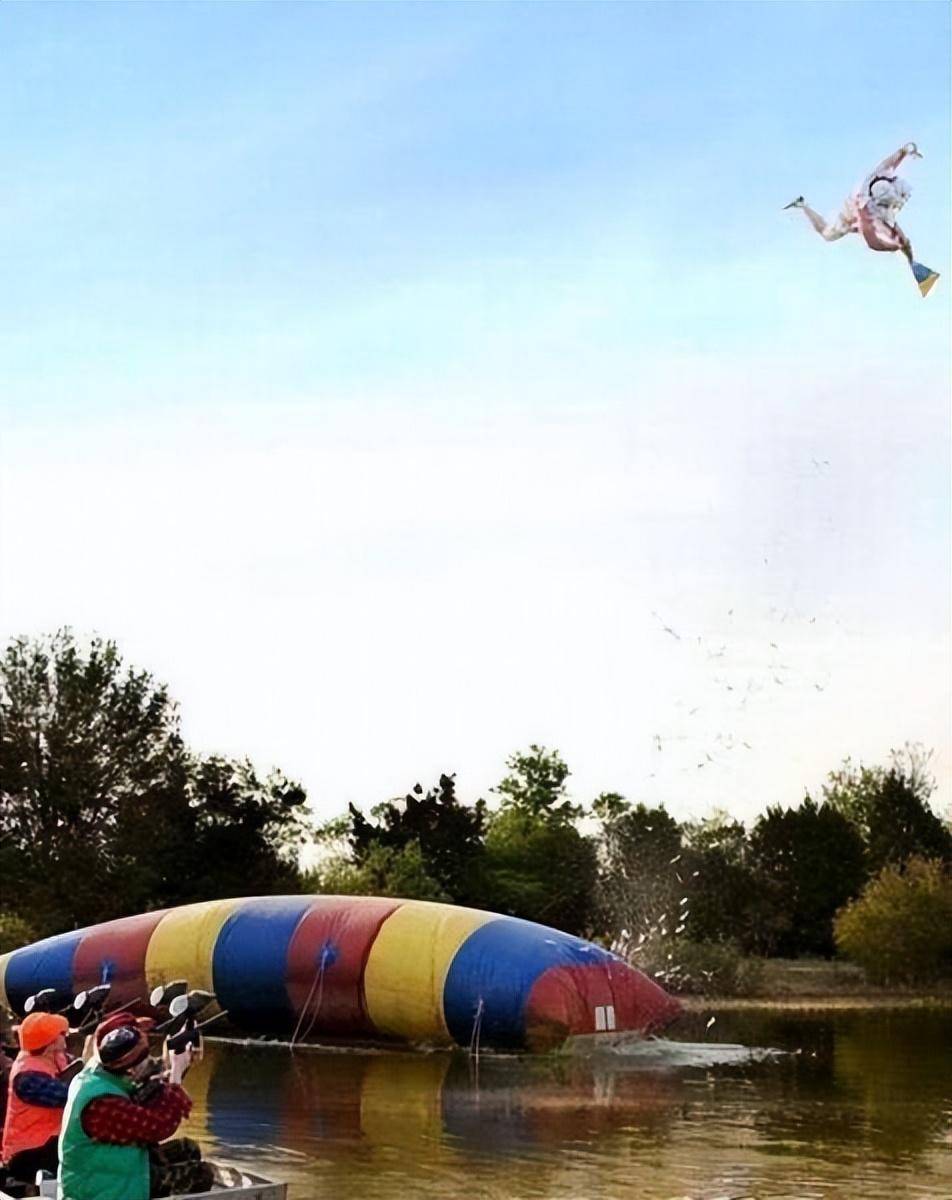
498,964
47,964
250,961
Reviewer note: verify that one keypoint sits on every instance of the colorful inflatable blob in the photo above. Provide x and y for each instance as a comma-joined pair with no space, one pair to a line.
356,968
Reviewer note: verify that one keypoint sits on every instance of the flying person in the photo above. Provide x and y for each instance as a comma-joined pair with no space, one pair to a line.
872,208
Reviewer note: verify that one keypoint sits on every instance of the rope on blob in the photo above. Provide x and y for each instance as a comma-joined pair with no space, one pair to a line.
316,986
477,1029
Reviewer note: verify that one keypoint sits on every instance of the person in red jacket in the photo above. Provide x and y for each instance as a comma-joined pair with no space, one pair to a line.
36,1097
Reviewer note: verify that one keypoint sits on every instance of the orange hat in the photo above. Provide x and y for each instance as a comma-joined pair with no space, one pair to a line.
38,1030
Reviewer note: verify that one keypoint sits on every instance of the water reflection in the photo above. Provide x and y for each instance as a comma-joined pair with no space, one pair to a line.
504,1112
501,1106
859,1106
898,1058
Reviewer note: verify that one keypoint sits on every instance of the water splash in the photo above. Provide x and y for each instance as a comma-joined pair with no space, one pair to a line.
660,1053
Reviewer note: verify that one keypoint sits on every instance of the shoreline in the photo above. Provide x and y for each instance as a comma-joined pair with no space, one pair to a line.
819,984
819,1003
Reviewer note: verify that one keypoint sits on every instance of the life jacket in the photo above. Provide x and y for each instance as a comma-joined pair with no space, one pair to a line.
28,1126
91,1170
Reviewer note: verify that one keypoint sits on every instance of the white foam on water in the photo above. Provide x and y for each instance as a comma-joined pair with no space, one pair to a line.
661,1053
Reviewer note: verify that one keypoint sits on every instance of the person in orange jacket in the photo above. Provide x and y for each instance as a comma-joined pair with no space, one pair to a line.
36,1097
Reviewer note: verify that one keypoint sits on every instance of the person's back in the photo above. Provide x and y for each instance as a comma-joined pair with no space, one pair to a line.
91,1169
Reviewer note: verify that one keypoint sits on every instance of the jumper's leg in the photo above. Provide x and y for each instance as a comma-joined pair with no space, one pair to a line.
830,231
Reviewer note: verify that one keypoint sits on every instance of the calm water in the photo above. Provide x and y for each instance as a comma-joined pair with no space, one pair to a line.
857,1105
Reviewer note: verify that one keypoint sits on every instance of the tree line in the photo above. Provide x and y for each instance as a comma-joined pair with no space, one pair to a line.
103,808
105,811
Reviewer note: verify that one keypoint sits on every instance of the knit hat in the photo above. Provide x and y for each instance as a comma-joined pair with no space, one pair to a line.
117,1020
123,1048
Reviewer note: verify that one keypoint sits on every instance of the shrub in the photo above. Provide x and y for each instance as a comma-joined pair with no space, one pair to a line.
14,932
701,968
900,929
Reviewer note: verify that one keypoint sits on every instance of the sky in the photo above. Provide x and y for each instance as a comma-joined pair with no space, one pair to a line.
405,384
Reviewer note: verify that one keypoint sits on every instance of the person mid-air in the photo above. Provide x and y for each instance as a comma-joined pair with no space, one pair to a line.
871,210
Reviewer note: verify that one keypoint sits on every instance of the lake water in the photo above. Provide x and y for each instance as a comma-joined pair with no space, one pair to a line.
764,1104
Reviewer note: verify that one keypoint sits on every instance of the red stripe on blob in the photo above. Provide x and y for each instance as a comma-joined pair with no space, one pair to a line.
326,960
114,953
563,1000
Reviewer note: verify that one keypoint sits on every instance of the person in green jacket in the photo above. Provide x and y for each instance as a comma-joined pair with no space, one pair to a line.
113,1142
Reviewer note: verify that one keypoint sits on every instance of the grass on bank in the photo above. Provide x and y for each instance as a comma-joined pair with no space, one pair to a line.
812,983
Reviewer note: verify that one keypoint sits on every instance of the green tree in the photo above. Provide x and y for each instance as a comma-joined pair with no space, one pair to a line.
14,932
900,928
104,812
536,786
539,866
609,805
398,871
890,808
640,885
448,836
727,896
813,859
85,743
242,834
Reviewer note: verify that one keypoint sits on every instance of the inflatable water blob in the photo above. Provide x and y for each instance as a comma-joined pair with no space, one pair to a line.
356,968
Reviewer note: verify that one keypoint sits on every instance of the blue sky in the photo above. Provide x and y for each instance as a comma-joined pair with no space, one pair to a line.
351,349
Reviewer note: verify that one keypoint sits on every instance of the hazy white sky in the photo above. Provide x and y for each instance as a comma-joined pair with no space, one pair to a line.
385,378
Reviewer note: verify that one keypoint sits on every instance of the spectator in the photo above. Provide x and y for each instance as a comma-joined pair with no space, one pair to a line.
120,1112
36,1096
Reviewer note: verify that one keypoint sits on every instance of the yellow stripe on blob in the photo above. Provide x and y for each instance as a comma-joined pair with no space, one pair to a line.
182,945
4,959
407,967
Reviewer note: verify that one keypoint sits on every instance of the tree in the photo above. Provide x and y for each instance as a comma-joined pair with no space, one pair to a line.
536,786
727,896
890,808
14,932
541,872
640,886
813,857
448,837
104,812
85,743
243,835
538,864
382,871
900,928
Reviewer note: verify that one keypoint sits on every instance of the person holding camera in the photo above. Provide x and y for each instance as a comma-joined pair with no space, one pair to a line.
121,1111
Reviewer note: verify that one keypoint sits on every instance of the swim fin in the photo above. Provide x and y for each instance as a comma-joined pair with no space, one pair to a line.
924,277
